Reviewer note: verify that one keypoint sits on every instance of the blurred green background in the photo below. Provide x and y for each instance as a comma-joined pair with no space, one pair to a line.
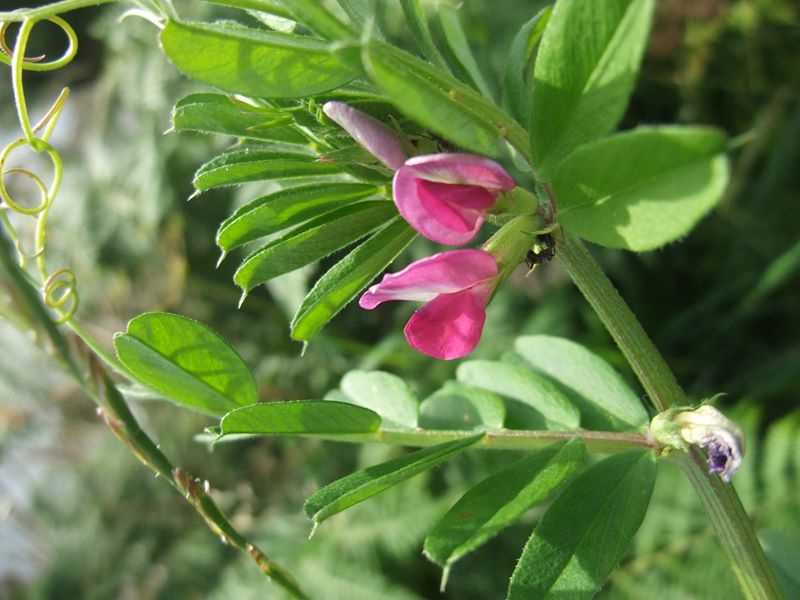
81,518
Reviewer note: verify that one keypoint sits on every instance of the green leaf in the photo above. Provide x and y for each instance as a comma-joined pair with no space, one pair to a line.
285,208
500,499
348,277
438,101
253,62
607,402
187,362
386,394
248,165
459,406
418,26
215,113
516,93
524,386
314,15
302,417
459,52
587,530
642,188
585,71
312,241
783,552
359,486
273,7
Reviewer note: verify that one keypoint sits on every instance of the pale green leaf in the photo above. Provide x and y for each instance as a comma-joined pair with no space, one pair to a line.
300,417
459,406
386,394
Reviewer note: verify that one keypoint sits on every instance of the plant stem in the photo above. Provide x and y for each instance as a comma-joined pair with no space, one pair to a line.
49,10
645,360
725,511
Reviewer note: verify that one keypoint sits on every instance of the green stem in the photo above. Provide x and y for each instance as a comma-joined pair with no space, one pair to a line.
49,10
645,360
725,511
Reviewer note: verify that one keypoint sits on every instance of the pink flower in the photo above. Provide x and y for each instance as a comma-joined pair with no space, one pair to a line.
445,196
384,143
455,286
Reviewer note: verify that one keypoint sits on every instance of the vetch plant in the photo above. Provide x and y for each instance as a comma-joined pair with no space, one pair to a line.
446,150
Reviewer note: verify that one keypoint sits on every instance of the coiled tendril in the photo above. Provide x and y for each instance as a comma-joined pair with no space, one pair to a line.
58,287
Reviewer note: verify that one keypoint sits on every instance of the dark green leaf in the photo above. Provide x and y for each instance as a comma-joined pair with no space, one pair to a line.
783,552
518,69
312,241
418,26
248,165
285,208
500,499
253,62
525,386
459,52
348,277
302,417
605,399
587,530
440,102
359,486
585,70
386,394
215,113
187,362
459,406
642,188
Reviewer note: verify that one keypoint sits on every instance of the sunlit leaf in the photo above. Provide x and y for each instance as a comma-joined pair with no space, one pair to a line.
302,417
459,406
518,70
386,394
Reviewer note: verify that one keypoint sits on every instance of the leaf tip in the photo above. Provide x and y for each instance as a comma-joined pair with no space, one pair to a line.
242,299
313,529
303,349
221,258
445,577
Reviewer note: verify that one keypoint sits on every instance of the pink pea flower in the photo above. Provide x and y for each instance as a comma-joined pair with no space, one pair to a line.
455,286
384,143
445,196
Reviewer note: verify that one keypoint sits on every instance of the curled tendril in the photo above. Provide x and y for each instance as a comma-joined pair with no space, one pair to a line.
59,293
58,288
37,63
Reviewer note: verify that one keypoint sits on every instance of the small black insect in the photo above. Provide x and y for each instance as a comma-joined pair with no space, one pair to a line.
544,250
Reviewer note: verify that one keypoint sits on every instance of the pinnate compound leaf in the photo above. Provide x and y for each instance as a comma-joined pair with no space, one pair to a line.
348,277
361,485
285,208
312,241
587,530
525,386
501,499
585,71
255,164
253,62
187,362
606,401
438,101
220,114
388,395
642,188
459,406
519,63
301,417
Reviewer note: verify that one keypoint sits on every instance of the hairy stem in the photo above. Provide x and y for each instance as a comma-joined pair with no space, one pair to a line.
725,511
49,10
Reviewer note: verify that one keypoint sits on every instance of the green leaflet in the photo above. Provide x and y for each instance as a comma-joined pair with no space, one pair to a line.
386,394
359,486
641,188
459,52
605,400
302,417
501,499
587,530
585,70
440,102
187,362
348,277
312,241
525,386
285,208
459,406
253,62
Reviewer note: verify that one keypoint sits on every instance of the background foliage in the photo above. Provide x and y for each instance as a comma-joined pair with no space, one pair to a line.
81,519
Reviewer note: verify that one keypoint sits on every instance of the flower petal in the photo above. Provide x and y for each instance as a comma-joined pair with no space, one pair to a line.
447,213
443,273
468,169
450,325
380,140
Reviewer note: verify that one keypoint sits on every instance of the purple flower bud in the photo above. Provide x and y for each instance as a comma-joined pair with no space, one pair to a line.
384,143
